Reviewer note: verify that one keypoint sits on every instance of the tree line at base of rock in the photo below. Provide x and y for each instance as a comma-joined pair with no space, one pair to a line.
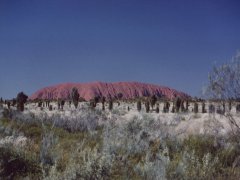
151,103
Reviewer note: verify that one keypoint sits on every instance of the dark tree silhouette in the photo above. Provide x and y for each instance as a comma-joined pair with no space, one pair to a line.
21,100
139,105
75,96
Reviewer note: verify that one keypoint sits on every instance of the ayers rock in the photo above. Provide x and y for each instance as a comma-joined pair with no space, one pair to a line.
129,90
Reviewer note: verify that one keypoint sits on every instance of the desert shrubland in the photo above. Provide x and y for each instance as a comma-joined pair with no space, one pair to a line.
86,143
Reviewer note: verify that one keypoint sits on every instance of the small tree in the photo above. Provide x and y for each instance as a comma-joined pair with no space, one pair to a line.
224,107
211,109
173,108
40,104
59,104
21,100
75,96
153,101
110,106
203,108
8,104
195,108
96,99
103,100
224,84
183,109
139,105
92,104
178,104
187,105
224,80
119,96
147,106
238,108
50,108
166,107
229,105
62,104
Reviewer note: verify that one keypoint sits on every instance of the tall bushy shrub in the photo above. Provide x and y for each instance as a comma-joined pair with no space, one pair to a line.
173,108
166,107
187,105
110,106
119,96
153,101
62,104
147,106
21,100
93,104
203,107
75,96
183,109
211,108
178,102
195,108
103,100
238,108
96,99
139,105
59,104
40,104
229,105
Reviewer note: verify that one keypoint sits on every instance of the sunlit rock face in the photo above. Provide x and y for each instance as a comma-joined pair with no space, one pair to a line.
129,90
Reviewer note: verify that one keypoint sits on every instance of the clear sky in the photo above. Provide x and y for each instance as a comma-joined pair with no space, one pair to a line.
166,42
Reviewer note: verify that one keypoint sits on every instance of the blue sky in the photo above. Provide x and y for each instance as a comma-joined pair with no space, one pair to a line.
173,43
